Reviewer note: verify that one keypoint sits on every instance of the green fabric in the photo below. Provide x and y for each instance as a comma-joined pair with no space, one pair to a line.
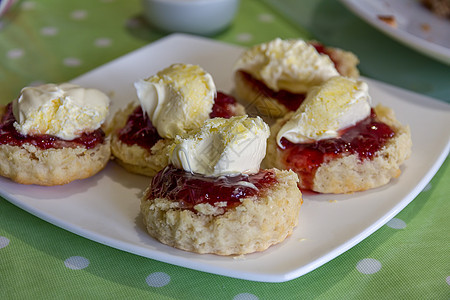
41,41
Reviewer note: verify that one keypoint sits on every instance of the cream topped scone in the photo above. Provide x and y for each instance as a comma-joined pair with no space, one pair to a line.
51,134
173,102
214,198
336,142
274,77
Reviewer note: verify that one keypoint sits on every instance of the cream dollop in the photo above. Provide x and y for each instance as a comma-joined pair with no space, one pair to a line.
291,65
64,110
338,103
223,147
177,99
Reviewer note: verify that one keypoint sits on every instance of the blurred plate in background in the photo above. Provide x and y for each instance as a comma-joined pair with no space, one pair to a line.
416,26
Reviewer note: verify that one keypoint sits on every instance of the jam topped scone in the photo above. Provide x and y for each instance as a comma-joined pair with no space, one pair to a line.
214,198
274,77
173,102
51,134
337,143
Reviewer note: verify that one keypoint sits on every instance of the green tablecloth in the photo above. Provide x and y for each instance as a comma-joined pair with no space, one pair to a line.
55,41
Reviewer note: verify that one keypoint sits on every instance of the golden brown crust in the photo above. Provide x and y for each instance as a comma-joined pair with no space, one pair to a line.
139,160
135,158
348,174
254,225
28,164
346,62
262,104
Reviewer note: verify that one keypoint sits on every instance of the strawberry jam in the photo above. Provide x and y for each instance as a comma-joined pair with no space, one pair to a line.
223,106
10,136
190,189
364,139
139,130
290,100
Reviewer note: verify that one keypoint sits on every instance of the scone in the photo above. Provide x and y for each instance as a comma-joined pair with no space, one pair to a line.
51,135
176,100
214,198
337,143
273,78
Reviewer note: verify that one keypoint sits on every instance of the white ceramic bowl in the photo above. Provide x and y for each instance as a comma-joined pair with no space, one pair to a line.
204,17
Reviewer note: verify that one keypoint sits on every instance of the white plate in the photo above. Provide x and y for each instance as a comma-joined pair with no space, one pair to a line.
105,208
417,26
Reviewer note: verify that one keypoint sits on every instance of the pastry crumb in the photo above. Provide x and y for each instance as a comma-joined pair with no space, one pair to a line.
389,20
425,27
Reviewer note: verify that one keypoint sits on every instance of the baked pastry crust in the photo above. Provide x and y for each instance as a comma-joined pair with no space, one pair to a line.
345,60
262,104
254,225
135,158
347,173
28,164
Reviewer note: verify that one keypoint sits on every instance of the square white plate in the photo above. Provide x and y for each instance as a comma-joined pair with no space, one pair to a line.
105,207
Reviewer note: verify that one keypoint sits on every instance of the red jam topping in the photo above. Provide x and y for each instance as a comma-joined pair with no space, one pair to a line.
191,189
10,136
223,106
139,130
365,139
290,100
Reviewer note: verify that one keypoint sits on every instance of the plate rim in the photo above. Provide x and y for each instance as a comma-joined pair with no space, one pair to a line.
229,272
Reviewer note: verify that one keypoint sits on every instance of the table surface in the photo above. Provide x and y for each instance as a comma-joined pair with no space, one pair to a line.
56,41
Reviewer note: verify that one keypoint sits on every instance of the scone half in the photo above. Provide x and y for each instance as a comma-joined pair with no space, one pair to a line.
253,225
261,100
29,164
349,173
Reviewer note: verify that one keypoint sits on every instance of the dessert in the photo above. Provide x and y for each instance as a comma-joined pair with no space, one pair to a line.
51,134
337,143
274,77
213,197
173,102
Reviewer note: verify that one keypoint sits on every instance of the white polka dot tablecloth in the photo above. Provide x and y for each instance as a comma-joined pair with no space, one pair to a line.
54,41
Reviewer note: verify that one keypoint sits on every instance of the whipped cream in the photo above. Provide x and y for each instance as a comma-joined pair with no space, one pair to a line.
177,99
63,110
338,103
223,147
291,65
